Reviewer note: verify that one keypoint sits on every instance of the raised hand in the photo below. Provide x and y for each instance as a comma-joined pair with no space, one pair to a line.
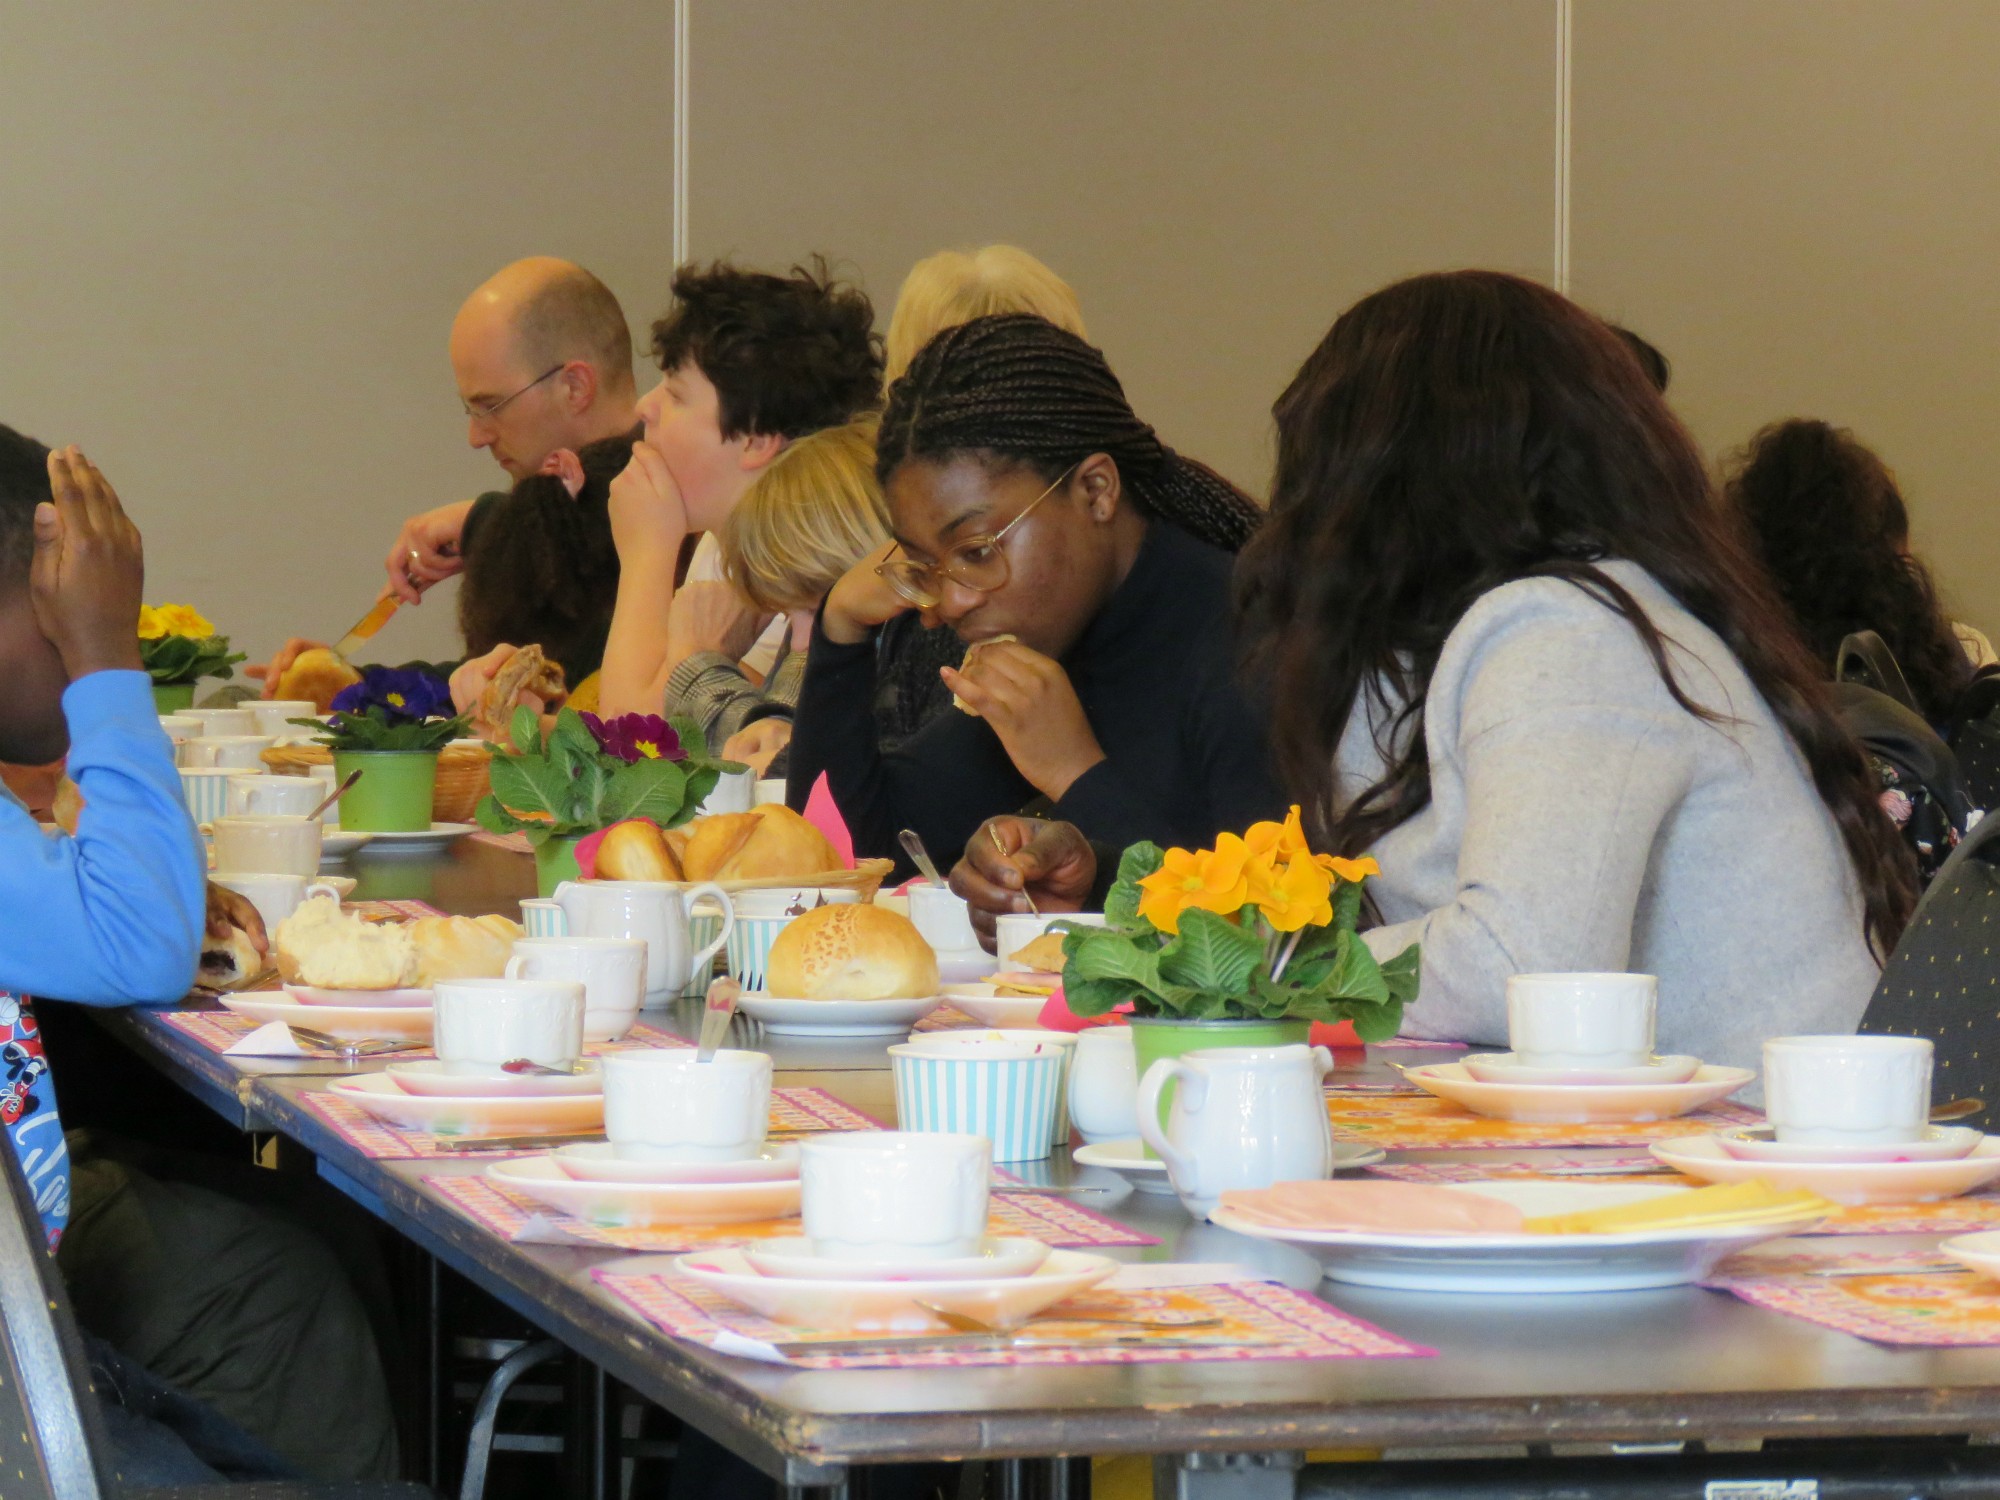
89,570
1028,699
426,551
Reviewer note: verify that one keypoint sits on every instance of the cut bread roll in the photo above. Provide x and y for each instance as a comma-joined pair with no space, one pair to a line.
972,655
462,947
321,945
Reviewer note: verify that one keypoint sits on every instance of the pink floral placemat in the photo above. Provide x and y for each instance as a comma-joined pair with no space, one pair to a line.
1404,1123
516,843
1886,1297
219,1030
947,1018
515,1216
808,1109
1268,1321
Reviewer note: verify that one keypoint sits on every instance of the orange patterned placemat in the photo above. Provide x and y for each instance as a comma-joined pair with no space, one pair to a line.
1886,1297
515,1216
376,911
1404,1123
807,1109
1269,1322
947,1018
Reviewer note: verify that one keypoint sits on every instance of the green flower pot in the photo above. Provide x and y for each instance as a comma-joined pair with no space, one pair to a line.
394,792
1156,1037
172,697
555,862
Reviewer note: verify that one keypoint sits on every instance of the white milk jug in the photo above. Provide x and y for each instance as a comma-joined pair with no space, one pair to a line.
1243,1117
654,911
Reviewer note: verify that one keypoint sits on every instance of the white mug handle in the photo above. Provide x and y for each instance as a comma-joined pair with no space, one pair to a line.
698,961
514,965
1149,1116
321,888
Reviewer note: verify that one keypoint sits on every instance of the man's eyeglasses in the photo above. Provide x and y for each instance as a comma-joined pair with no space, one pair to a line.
493,409
977,563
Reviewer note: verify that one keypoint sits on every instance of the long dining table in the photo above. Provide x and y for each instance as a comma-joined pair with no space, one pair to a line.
1633,1393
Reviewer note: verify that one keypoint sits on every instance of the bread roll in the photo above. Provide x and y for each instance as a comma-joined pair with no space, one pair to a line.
226,960
972,655
851,952
319,944
772,843
318,674
462,947
636,850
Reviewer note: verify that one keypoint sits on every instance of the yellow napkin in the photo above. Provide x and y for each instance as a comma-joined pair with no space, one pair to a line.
1754,1202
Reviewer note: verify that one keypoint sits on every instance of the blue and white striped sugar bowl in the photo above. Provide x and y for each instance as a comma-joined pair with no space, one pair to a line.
1008,1092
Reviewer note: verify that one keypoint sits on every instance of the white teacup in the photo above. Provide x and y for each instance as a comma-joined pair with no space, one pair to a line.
1847,1090
481,1023
244,752
1014,932
266,844
223,720
665,1106
276,897
612,972
1581,1020
943,919
895,1195
274,716
1104,1084
735,791
254,792
180,727
327,782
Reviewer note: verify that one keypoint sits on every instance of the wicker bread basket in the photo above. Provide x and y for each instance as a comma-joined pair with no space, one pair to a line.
463,775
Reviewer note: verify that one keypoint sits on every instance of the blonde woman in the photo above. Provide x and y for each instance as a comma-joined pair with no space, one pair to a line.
956,286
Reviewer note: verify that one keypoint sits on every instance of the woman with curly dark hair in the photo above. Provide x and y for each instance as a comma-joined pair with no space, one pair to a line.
1519,655
1826,516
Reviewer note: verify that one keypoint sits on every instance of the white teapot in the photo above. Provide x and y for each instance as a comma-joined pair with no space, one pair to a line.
1243,1117
654,910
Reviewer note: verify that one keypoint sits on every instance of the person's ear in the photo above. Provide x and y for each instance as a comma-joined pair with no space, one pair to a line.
579,386
758,449
1096,480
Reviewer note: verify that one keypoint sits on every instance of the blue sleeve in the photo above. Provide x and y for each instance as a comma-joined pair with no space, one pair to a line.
115,915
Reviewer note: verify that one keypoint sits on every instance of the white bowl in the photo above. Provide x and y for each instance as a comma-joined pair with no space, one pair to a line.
793,1259
836,1017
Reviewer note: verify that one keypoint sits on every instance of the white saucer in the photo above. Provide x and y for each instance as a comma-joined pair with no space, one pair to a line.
417,841
836,1017
1578,1103
1847,1182
891,1306
492,1114
598,1161
1506,1067
1979,1251
1939,1143
794,1260
352,1023
625,1205
1013,1012
1149,1175
431,1079
334,843
310,994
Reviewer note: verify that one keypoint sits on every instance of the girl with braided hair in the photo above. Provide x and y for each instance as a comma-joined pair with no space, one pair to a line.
1087,566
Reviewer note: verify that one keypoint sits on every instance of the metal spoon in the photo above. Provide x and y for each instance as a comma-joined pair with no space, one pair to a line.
527,1067
919,855
1957,1109
346,1047
994,834
722,997
337,793
966,1323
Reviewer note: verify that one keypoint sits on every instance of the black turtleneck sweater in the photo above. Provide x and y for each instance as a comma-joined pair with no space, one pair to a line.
1185,756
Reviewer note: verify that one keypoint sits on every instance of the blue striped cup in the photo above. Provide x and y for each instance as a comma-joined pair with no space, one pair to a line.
760,917
206,789
1062,1042
542,918
1005,1092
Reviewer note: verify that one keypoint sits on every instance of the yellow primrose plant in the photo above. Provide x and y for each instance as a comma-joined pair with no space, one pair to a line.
177,645
1257,928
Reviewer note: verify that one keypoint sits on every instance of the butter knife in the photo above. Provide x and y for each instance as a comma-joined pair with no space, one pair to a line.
365,627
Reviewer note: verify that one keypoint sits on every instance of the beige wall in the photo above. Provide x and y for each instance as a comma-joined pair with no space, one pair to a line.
232,233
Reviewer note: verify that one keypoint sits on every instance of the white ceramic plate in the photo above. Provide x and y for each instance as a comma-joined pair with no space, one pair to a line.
421,841
308,994
1847,1182
631,1204
1578,1104
351,1023
336,844
1149,1175
836,1017
598,1161
1938,1143
890,1306
1506,1067
432,1079
794,1260
1011,1012
521,1114
1516,1263
1980,1251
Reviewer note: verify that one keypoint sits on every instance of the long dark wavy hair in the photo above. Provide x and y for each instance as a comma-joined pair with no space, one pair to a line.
1453,433
1016,388
541,567
1825,513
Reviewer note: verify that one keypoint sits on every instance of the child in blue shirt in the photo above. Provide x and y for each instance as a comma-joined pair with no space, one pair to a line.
115,916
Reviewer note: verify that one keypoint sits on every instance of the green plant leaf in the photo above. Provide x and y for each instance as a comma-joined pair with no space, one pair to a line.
528,784
1094,997
1096,953
526,731
1346,905
700,782
1121,906
1403,974
1210,954
646,789
494,818
571,738
693,738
